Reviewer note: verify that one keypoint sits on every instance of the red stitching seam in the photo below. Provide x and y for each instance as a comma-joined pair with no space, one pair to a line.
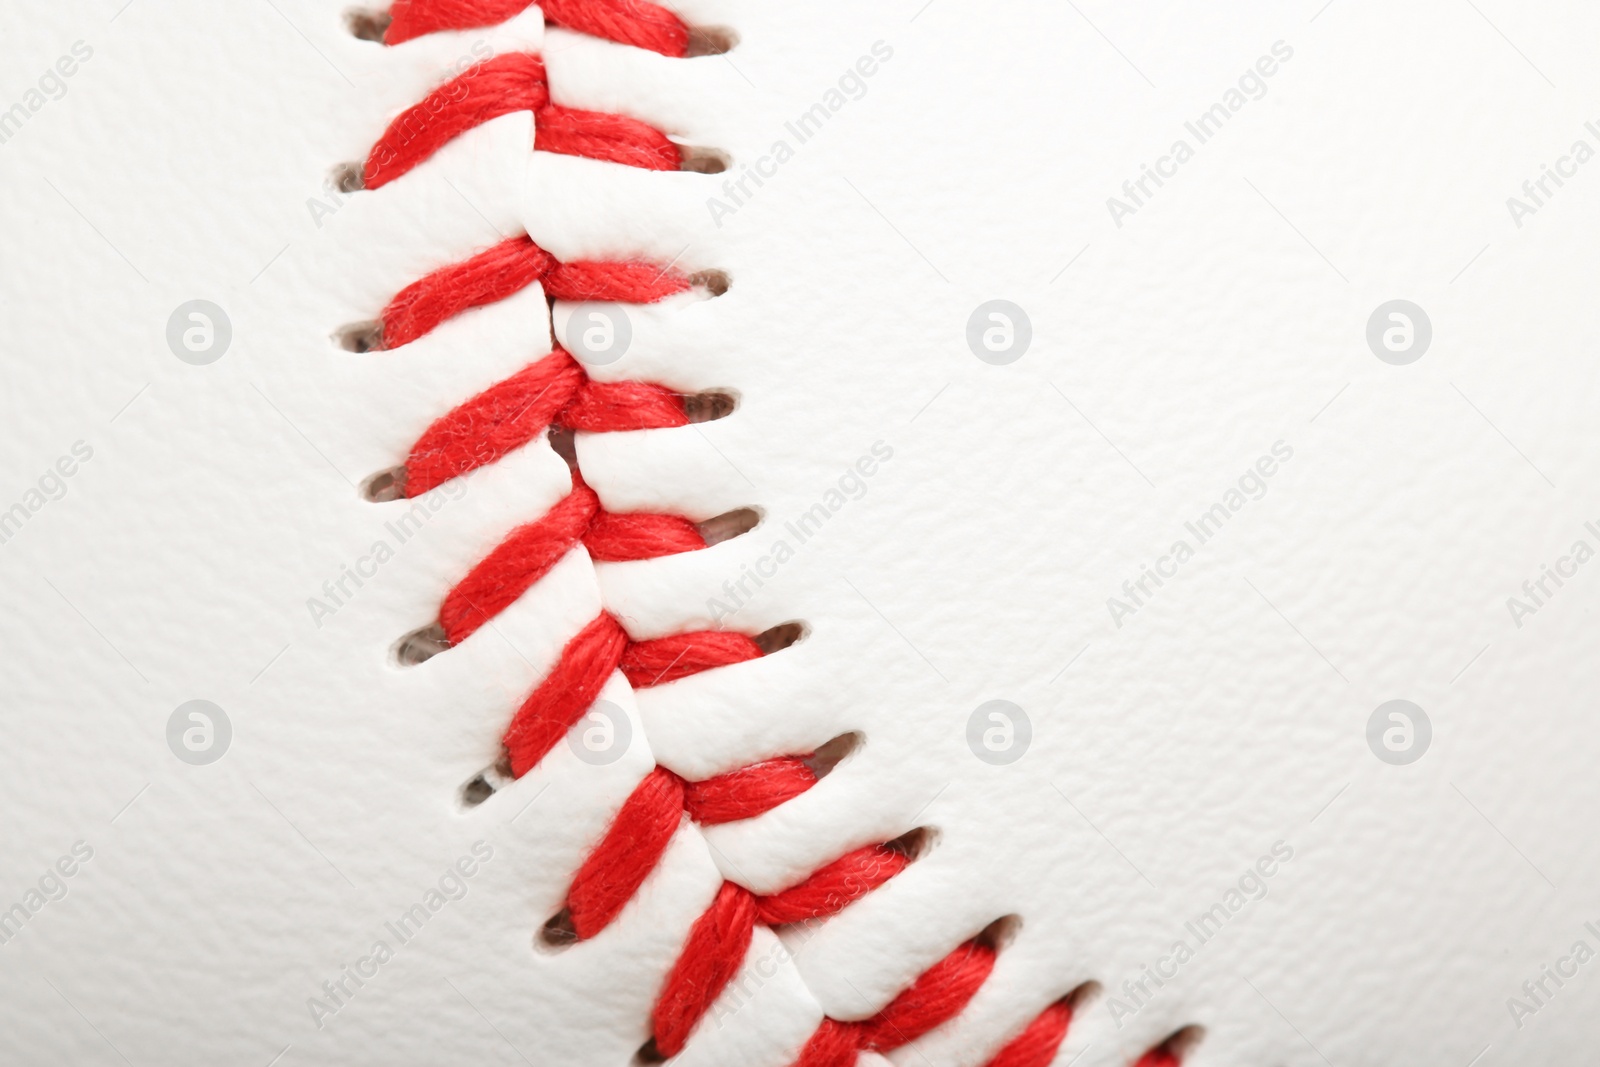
555,391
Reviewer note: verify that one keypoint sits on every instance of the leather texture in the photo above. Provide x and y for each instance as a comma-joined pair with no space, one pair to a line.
954,531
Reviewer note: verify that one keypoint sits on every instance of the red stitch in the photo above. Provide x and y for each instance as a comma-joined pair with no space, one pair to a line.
487,90
489,276
559,701
608,138
620,538
610,406
498,420
506,269
588,660
832,1044
1037,1044
505,85
632,22
632,283
627,854
748,791
513,412
529,551
666,659
524,557
555,391
711,956
719,939
834,887
934,998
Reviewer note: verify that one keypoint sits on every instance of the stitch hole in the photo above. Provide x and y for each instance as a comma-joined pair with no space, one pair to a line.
711,41
1180,1043
1000,933
914,844
779,637
703,160
486,783
367,25
1080,997
557,932
649,1053
714,282
419,646
708,407
565,444
385,486
349,177
830,755
728,525
361,336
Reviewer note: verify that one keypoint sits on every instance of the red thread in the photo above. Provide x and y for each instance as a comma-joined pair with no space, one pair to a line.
632,22
832,1044
507,268
529,551
1036,1046
485,91
498,420
524,557
666,659
559,701
489,276
719,939
588,660
505,85
748,791
608,138
1160,1056
555,392
609,406
622,538
509,414
627,854
934,998
711,956
632,283
834,887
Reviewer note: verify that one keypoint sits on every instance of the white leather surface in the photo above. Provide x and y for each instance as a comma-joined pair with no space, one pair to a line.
1226,715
